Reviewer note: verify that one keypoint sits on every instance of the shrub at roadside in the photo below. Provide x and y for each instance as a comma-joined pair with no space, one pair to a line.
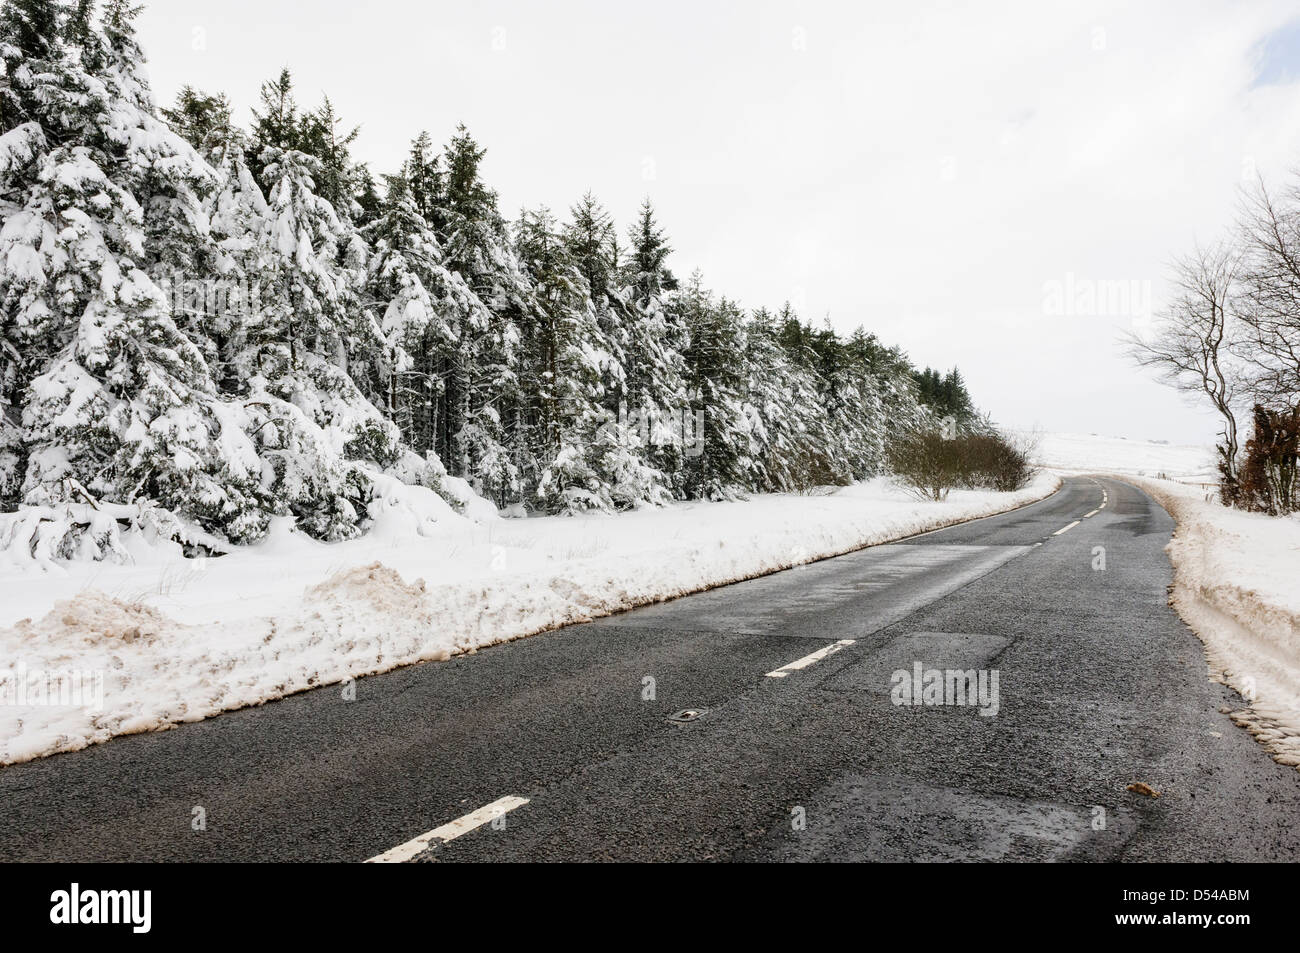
993,462
931,464
926,462
1268,481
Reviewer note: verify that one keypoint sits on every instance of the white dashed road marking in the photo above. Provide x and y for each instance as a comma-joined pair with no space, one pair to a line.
449,831
1064,528
807,660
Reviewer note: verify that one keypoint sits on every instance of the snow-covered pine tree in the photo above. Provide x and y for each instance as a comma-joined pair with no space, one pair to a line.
203,120
408,285
791,435
590,238
716,437
179,254
304,355
30,326
424,180
853,404
308,415
483,403
321,134
621,442
121,412
592,242
367,197
302,310
568,360
238,221
901,409
652,338
276,124
861,396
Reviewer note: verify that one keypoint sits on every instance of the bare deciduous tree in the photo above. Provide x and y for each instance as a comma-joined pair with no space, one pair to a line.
1192,344
1269,299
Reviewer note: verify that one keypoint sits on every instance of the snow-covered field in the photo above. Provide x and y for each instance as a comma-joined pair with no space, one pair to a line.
169,639
1237,584
1092,453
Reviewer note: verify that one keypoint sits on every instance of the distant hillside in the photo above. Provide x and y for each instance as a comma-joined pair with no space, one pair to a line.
1188,463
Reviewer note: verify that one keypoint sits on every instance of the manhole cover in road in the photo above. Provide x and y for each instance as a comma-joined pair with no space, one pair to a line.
687,714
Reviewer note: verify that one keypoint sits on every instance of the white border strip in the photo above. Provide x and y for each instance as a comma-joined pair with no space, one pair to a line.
449,831
807,660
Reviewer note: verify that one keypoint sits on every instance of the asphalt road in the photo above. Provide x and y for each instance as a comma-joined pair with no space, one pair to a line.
1099,686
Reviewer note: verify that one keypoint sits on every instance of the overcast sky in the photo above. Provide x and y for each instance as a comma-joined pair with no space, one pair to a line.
957,181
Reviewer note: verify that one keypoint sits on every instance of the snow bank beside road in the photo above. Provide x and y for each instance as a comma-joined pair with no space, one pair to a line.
1237,584
177,640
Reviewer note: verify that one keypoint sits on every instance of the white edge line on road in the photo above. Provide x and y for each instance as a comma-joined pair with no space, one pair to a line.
1093,513
449,831
807,660
1064,528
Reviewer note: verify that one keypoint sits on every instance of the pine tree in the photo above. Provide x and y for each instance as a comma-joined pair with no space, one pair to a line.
865,392
123,409
30,325
203,120
652,339
424,179
716,443
303,310
791,435
647,266
295,352
367,195
592,241
320,136
416,298
568,359
483,402
277,124
238,218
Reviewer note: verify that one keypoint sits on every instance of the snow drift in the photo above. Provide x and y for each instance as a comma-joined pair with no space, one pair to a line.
1237,584
176,639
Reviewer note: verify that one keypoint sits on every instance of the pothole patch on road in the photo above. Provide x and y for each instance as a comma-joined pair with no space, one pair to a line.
687,715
